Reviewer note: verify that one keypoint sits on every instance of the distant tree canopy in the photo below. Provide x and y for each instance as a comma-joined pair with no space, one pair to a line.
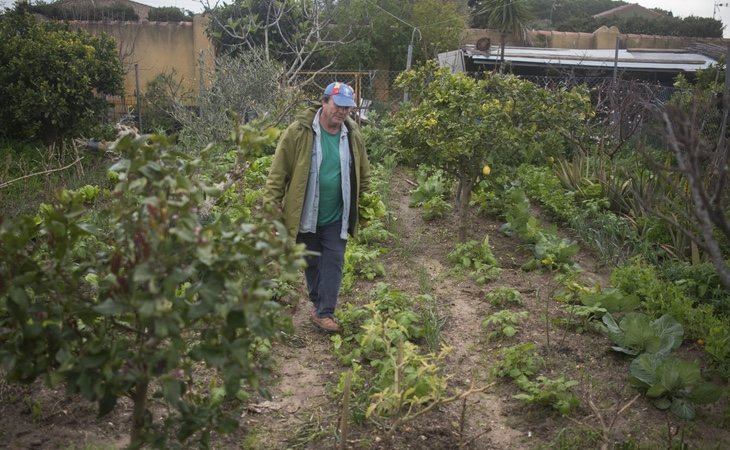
379,32
117,11
559,11
577,15
665,26
169,14
53,78
361,34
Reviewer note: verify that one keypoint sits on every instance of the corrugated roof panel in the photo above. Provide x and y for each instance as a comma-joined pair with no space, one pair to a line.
671,60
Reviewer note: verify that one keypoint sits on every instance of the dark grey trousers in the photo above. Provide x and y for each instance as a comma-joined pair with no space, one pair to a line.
324,271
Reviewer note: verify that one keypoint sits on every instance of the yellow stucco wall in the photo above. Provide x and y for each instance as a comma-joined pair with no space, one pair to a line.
602,38
159,47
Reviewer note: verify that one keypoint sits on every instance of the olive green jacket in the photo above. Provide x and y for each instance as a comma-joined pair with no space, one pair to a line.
286,185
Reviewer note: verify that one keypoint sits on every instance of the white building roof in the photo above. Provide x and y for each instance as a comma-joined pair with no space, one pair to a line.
628,59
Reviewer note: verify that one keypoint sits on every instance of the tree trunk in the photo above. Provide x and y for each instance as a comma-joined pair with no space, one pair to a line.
138,419
502,39
464,196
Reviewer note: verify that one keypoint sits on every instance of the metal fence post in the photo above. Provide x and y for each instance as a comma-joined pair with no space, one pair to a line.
139,96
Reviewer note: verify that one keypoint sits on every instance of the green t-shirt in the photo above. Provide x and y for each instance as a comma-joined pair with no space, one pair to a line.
330,175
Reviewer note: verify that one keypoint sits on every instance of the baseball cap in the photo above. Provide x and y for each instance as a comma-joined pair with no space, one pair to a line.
341,93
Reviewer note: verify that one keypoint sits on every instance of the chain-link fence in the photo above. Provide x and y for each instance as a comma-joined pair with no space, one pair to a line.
623,103
377,90
120,107
374,90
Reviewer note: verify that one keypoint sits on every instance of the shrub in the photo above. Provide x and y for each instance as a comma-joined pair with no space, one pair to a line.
52,78
169,14
134,302
117,11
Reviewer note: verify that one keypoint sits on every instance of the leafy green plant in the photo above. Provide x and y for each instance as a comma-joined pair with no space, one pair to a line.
542,184
503,296
519,360
503,323
672,383
435,208
549,250
553,253
35,407
488,195
132,303
390,309
91,12
400,380
431,183
636,333
358,392
613,300
371,208
520,222
554,393
699,281
378,137
169,14
660,297
374,233
476,259
361,261
406,380
571,288
582,318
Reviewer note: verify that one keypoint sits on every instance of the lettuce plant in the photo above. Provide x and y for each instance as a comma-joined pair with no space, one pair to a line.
637,334
672,383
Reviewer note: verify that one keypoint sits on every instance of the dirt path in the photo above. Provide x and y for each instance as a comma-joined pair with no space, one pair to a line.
417,262
460,303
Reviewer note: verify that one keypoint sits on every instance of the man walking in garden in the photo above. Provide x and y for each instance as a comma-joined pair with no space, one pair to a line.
319,171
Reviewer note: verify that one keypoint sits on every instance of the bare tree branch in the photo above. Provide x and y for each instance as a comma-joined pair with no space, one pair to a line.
297,45
44,172
699,197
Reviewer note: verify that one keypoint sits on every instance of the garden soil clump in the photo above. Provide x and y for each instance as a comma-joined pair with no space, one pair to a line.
302,413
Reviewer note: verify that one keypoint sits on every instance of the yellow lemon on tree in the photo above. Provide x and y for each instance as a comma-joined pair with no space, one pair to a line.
486,170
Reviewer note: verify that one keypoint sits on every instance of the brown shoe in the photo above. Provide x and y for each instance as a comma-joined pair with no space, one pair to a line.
325,323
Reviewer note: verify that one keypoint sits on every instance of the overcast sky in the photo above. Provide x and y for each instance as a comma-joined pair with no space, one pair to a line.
680,8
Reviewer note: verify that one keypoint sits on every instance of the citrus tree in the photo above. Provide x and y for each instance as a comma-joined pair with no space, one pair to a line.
52,77
138,297
459,123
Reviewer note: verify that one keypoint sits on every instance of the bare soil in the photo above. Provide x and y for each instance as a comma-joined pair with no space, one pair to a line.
301,414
